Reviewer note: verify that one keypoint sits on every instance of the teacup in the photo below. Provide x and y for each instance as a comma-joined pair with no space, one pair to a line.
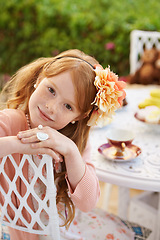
120,138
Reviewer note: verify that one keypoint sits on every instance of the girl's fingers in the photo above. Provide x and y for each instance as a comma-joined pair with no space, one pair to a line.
32,139
28,133
29,136
25,134
42,148
56,156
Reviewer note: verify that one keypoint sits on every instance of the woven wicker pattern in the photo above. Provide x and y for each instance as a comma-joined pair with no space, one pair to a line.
11,215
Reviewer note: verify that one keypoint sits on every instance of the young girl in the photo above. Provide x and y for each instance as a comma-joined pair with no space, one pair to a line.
52,104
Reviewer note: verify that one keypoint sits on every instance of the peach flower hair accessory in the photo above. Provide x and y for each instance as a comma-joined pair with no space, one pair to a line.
109,97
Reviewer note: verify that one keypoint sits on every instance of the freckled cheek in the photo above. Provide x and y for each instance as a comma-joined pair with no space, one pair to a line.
63,119
33,102
41,96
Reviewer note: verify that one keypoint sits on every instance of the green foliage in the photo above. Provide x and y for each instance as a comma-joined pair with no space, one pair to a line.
30,29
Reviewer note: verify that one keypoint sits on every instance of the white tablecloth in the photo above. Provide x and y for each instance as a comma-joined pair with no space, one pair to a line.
147,136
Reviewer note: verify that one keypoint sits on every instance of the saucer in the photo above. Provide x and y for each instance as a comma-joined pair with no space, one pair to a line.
109,152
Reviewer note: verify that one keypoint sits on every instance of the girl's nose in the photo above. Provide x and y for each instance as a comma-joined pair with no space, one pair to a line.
51,107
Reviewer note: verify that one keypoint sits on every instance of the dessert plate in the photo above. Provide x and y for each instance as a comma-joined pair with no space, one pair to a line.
110,152
144,121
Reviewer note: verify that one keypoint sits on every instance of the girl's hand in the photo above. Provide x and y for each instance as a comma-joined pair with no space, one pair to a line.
52,146
57,146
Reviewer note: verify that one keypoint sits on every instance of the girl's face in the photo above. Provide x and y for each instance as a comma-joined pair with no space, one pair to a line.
53,103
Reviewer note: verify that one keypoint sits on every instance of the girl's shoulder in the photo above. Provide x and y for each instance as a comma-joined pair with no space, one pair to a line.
13,119
13,114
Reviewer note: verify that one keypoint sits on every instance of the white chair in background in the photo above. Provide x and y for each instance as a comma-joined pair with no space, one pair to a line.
141,207
140,40
48,204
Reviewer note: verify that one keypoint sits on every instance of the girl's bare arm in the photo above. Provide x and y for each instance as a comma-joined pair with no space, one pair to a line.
9,145
12,144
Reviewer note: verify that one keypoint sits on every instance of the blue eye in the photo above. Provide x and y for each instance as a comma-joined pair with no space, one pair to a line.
52,90
68,107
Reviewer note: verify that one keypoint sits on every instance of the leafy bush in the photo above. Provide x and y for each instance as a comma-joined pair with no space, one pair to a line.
30,29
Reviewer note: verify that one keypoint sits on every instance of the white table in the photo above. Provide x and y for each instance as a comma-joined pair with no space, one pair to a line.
144,171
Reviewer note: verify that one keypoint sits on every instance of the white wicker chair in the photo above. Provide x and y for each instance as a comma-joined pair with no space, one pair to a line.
140,40
52,227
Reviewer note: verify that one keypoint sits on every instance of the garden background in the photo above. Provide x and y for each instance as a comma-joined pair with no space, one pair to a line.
30,29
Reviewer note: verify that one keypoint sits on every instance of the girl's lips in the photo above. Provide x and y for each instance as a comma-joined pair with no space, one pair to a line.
44,115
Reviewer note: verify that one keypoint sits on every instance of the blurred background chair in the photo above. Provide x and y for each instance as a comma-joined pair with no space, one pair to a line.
144,208
12,212
140,40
